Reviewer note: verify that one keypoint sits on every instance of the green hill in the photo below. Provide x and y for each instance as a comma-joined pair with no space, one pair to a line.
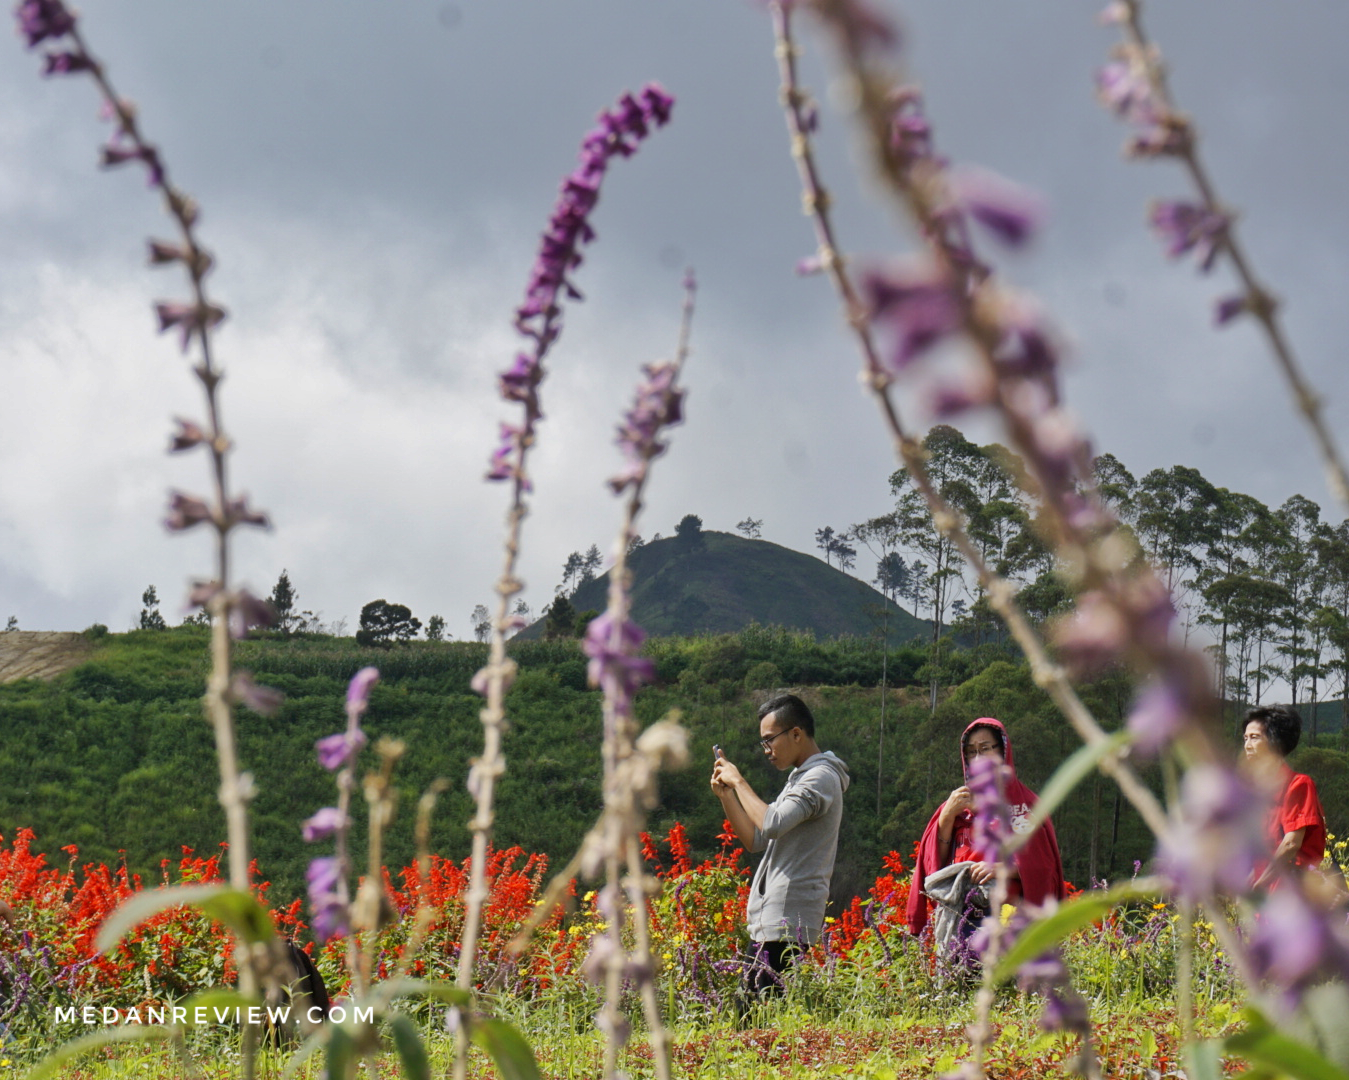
719,583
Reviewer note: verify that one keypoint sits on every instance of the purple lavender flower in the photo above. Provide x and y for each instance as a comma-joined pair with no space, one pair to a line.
617,134
658,404
323,824
335,751
40,20
1214,848
330,917
614,663
1186,226
1009,211
992,818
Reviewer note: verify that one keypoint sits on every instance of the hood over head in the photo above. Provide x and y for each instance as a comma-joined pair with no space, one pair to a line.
996,725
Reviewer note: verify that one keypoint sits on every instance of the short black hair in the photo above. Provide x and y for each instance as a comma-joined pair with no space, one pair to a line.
791,712
1002,742
1282,724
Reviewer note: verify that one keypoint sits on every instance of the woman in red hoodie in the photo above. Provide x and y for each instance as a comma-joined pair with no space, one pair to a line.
948,838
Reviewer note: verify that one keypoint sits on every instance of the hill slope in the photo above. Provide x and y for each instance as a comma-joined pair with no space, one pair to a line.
721,583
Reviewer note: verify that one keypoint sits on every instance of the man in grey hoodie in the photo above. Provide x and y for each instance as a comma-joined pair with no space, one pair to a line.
797,832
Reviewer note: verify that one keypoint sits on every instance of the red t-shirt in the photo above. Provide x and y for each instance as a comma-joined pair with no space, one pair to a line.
1299,807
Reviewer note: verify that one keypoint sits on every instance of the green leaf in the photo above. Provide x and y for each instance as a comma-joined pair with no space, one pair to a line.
67,1052
1203,1060
1042,935
1264,1045
408,1043
512,1054
341,1054
1066,777
439,991
237,910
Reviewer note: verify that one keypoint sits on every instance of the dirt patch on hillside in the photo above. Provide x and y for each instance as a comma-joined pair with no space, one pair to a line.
27,654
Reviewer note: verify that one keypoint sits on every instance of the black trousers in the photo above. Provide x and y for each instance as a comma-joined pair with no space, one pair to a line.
762,977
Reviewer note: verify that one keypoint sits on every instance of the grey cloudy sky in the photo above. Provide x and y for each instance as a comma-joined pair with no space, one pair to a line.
374,176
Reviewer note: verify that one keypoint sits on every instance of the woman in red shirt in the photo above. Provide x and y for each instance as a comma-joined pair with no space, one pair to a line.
1297,824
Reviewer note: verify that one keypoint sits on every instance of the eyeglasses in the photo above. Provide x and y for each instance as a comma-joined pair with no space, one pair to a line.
979,751
767,743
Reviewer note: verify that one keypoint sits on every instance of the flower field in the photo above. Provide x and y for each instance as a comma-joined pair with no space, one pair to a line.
868,1000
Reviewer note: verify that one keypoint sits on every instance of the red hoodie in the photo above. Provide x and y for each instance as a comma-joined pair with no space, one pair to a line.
1038,862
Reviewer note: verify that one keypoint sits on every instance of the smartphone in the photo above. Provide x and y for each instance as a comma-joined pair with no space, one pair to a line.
716,751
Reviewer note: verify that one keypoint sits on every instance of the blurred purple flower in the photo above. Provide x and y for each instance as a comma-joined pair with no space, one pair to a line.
248,611
335,751
323,824
1214,848
517,383
40,20
910,132
358,690
953,397
238,512
67,63
187,436
658,404
1123,86
992,818
1228,308
1189,226
919,305
261,699
189,318
1012,213
201,593
1094,635
117,151
614,665
1295,944
328,910
186,511
1157,716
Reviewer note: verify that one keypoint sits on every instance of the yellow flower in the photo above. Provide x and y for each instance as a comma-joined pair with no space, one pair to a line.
1006,912
1158,907
590,896
667,956
829,919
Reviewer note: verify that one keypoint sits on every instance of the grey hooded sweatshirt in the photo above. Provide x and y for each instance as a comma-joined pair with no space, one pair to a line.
799,838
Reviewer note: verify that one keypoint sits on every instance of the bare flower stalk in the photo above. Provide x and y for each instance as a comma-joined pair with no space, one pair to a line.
232,611
1167,132
612,643
1002,596
539,319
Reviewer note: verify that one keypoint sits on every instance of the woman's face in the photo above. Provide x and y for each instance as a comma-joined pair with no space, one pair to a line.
1257,744
981,742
